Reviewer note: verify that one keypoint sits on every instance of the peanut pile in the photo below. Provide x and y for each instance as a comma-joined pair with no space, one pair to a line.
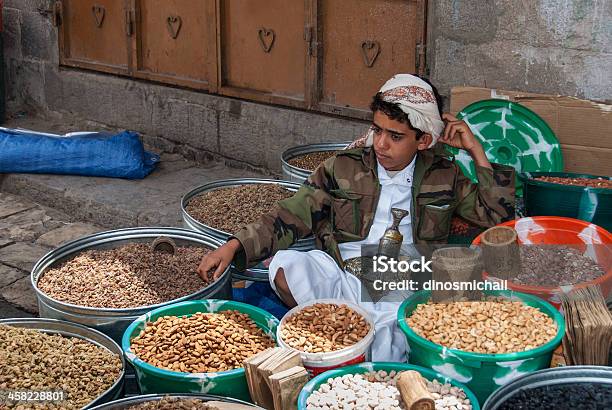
229,209
377,390
311,161
324,327
31,360
491,327
201,343
129,276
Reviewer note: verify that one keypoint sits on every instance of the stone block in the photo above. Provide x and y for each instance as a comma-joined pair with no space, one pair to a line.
67,233
36,36
11,205
22,255
11,36
27,226
9,275
21,294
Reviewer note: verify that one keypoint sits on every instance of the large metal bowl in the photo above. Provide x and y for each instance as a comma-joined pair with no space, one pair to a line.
550,377
133,401
113,322
52,326
299,175
259,272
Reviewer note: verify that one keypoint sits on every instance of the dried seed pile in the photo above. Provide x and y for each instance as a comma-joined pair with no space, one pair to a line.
324,327
126,277
201,343
35,361
590,182
377,390
311,161
229,209
583,396
172,403
491,327
555,266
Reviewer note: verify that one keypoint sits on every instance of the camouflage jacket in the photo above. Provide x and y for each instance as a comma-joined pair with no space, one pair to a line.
337,204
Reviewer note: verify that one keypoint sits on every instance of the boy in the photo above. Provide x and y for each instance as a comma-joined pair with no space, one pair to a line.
347,201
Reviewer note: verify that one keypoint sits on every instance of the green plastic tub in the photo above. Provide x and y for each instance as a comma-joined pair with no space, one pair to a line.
429,374
231,383
547,199
482,373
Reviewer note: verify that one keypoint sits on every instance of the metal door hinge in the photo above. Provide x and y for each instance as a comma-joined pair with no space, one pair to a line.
421,58
129,23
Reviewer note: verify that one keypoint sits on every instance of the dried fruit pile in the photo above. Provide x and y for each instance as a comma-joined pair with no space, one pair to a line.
312,160
229,209
590,182
555,266
34,361
491,327
126,277
377,390
201,343
324,327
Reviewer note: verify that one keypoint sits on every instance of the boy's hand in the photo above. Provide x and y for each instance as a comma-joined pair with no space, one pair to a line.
457,134
219,260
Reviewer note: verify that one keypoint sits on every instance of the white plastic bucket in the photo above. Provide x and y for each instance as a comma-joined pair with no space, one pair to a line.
317,363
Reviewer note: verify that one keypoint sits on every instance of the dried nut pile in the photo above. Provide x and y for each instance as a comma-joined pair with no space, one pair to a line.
555,266
201,343
126,277
34,361
324,327
377,390
311,161
172,403
590,182
490,327
229,209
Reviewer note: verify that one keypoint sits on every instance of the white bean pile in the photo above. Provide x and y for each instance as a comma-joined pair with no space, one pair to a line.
378,391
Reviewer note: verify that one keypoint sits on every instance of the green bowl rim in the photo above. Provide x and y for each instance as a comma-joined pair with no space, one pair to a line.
137,362
483,357
388,366
528,178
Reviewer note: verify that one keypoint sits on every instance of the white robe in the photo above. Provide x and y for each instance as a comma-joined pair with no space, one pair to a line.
315,275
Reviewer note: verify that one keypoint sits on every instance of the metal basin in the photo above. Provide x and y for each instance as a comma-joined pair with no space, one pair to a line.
67,329
133,401
550,377
299,175
113,322
259,272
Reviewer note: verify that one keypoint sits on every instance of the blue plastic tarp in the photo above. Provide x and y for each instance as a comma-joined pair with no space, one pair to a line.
83,153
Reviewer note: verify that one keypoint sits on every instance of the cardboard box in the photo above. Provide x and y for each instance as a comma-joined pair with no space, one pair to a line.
583,127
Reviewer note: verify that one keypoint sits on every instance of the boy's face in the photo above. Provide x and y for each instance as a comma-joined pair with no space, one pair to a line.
395,144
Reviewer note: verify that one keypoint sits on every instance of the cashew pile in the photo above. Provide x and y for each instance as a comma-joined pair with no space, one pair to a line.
324,327
31,360
201,343
492,327
378,391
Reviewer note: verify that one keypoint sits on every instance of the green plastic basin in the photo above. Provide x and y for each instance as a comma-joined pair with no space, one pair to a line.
547,199
482,373
231,383
429,374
